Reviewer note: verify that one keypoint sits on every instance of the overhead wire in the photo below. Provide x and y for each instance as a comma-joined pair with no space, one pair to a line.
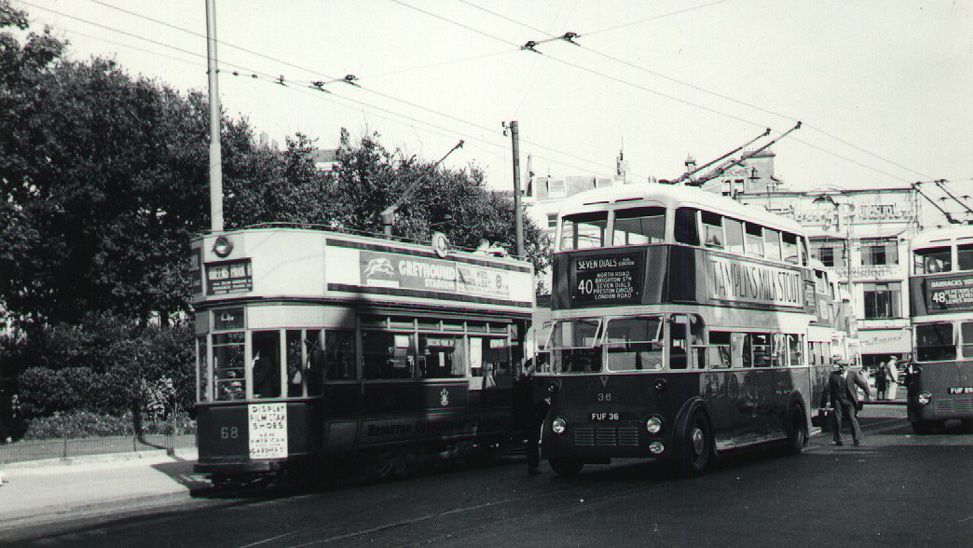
699,88
281,80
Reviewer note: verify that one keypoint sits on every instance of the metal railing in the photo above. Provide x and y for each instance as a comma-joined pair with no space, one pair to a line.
30,450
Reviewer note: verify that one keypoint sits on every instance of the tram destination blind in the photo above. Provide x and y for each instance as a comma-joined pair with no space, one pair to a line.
607,279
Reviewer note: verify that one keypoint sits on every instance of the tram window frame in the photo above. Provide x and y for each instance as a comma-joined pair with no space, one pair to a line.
733,232
686,226
340,355
379,366
964,257
495,360
935,352
789,248
294,365
932,260
583,227
772,244
753,236
203,393
441,364
229,381
966,339
720,350
639,226
712,224
265,363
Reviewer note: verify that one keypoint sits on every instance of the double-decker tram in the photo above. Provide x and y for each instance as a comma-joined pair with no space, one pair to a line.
684,325
940,377
313,344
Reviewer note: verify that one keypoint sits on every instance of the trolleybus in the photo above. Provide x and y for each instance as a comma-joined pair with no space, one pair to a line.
312,344
940,378
684,325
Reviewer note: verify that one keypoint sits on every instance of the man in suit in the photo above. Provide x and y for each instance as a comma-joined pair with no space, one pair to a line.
843,395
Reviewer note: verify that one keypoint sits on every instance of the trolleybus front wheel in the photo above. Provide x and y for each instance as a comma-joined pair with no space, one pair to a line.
696,447
796,435
566,467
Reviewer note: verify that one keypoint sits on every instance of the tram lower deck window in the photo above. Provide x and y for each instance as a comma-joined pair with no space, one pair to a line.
388,355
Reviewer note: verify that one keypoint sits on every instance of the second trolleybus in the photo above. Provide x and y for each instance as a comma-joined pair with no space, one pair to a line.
940,376
684,324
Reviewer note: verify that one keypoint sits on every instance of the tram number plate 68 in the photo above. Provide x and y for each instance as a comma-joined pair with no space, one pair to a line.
604,416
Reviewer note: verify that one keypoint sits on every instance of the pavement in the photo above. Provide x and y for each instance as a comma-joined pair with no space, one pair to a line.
54,490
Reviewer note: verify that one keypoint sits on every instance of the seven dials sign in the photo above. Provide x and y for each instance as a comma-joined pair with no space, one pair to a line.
440,244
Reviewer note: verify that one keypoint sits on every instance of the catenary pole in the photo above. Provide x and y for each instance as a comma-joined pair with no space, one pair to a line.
518,213
215,155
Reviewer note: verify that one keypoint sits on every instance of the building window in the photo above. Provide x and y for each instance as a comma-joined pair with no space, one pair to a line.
552,220
555,188
829,251
882,300
880,251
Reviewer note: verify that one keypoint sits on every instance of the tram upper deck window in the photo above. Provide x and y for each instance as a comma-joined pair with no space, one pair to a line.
932,260
583,230
789,247
633,344
686,226
964,257
733,230
713,229
573,346
755,240
935,342
639,226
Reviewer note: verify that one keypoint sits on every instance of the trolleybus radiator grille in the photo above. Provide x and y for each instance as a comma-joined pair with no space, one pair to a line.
954,406
606,436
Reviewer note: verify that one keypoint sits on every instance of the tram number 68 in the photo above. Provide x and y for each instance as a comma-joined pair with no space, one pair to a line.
604,396
229,433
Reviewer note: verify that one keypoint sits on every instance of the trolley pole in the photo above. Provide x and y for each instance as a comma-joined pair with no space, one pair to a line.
518,213
215,155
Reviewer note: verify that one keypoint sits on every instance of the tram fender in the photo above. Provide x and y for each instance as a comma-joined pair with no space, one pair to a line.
682,419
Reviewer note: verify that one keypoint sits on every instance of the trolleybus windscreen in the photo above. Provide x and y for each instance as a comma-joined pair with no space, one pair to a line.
633,344
573,346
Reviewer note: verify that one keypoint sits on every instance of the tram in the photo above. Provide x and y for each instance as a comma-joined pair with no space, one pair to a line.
939,379
314,344
684,325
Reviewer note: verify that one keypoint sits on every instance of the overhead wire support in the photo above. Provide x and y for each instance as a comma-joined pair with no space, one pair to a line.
746,156
947,214
568,37
941,183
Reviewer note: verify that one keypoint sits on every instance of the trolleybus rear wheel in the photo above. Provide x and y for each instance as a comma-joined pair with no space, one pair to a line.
796,436
566,467
696,447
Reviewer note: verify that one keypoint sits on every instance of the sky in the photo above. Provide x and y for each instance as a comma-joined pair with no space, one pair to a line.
884,90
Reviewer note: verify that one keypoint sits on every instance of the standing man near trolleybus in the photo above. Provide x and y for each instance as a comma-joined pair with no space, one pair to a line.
843,396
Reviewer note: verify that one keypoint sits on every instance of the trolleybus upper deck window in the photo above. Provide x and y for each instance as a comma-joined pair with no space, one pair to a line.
734,235
755,240
633,343
932,260
573,346
935,342
686,226
583,230
772,248
789,247
964,257
712,229
638,226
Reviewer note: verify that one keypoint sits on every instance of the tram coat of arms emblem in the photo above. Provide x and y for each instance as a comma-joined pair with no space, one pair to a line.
444,397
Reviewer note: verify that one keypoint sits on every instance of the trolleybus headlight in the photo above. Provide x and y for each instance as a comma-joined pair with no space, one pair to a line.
924,398
657,447
653,425
558,425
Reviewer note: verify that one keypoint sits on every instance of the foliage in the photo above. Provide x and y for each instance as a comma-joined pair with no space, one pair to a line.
84,424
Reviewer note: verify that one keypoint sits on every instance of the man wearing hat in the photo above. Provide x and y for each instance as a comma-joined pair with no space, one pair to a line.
893,376
843,394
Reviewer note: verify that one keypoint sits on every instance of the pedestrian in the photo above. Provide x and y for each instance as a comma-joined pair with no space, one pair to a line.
892,368
881,381
842,394
532,413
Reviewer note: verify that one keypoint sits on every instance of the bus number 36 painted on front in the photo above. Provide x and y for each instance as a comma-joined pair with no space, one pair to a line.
604,396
